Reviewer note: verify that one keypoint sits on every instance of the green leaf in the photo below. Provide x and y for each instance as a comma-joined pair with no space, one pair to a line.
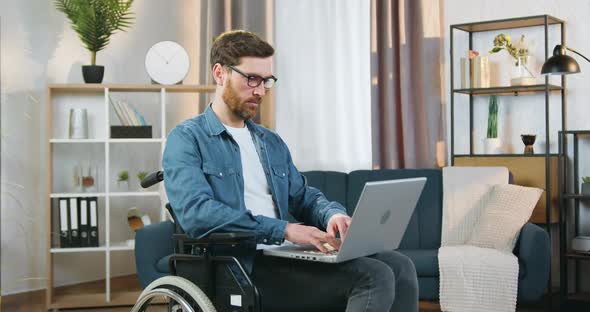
95,21
496,50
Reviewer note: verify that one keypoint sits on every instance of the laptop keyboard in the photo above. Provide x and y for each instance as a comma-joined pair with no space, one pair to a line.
331,250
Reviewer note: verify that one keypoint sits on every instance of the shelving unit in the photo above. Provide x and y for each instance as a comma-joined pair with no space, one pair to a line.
76,95
538,170
541,170
570,198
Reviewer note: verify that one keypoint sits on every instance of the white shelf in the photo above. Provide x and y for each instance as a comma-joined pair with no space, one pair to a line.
158,140
121,246
77,140
136,194
78,249
58,195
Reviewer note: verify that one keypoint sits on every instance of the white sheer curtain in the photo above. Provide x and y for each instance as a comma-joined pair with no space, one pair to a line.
323,105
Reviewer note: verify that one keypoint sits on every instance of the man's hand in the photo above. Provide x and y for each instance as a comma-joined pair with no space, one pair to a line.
304,234
338,223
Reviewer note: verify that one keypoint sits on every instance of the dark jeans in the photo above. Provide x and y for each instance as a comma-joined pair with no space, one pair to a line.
383,282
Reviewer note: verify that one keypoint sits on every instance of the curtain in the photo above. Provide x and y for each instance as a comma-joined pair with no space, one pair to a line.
323,106
407,84
218,16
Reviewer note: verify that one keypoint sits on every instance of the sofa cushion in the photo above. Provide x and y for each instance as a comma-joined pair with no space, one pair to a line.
331,183
424,228
425,261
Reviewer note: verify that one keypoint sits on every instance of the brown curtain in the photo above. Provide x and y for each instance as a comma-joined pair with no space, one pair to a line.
407,84
218,16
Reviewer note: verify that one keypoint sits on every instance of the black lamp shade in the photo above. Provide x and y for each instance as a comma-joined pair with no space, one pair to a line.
560,63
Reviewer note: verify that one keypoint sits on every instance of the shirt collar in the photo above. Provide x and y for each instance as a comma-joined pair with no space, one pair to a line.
216,127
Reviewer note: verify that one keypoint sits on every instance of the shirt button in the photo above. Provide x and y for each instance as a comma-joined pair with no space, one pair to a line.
221,174
283,174
265,240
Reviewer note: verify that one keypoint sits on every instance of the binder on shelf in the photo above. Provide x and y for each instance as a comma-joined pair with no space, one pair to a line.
84,227
93,214
74,223
64,223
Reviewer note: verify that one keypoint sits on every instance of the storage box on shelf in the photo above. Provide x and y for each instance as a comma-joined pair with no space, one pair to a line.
105,155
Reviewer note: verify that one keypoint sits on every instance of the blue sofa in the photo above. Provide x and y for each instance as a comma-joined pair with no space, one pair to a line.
420,243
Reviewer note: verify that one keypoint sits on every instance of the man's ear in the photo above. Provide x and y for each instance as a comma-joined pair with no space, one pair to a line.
218,74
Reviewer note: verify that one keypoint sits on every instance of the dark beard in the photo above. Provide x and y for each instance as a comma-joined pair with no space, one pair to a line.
237,105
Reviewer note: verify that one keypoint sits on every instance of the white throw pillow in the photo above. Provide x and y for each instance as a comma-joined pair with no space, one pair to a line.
507,209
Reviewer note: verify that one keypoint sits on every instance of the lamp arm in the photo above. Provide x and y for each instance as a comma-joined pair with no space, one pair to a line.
578,53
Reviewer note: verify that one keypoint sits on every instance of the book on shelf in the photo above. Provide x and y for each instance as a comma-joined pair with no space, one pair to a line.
127,115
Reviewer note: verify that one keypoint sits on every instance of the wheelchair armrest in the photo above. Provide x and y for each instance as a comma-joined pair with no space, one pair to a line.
232,238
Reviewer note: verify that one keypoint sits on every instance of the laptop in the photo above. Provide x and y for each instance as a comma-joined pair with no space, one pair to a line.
379,222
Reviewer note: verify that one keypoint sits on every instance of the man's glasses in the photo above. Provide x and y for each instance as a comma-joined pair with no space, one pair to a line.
254,80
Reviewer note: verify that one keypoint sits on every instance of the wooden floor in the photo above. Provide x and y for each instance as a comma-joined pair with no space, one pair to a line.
35,302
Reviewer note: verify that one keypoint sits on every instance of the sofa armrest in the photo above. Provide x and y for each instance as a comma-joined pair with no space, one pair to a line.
152,243
533,250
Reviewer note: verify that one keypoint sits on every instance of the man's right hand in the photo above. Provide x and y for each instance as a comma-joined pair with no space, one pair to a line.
303,234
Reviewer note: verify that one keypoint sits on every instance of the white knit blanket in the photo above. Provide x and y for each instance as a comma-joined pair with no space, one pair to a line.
472,278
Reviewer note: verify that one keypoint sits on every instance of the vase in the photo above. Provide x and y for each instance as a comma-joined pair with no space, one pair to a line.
528,140
78,128
521,74
123,186
492,146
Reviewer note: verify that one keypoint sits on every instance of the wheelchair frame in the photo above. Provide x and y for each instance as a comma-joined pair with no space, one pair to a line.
206,274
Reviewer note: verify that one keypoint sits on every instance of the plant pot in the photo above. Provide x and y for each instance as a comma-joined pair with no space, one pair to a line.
492,146
92,73
586,188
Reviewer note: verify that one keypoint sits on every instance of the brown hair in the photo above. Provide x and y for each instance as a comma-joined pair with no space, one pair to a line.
231,45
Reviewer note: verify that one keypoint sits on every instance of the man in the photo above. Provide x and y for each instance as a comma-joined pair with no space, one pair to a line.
224,173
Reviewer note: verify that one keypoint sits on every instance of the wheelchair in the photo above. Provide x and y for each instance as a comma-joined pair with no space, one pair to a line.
203,274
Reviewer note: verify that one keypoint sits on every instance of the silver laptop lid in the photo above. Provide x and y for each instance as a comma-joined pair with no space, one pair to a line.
381,217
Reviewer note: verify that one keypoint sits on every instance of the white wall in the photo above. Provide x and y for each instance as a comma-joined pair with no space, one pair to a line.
39,47
525,114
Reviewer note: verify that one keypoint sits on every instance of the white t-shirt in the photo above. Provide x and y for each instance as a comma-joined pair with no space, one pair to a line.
256,191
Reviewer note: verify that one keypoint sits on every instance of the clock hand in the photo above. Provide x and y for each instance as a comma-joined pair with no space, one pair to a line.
173,55
160,55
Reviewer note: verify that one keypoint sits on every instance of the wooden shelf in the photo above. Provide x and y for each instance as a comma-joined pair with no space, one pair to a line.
83,87
505,155
577,196
511,90
582,296
578,255
518,22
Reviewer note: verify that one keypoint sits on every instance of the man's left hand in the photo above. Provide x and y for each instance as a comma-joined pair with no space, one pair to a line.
338,223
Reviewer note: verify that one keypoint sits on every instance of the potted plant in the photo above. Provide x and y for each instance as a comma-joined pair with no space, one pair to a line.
140,176
586,185
123,180
96,21
492,142
521,75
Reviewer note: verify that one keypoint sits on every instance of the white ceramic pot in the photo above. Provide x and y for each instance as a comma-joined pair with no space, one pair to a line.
492,146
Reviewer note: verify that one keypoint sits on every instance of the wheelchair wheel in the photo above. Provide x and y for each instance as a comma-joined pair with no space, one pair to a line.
179,293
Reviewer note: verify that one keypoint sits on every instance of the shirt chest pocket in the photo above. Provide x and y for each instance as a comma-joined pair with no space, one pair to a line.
223,182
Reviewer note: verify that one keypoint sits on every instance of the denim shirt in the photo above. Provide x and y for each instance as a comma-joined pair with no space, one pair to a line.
205,186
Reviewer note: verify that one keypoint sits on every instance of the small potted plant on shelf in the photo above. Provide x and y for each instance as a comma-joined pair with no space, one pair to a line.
492,142
586,185
140,176
123,180
96,21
